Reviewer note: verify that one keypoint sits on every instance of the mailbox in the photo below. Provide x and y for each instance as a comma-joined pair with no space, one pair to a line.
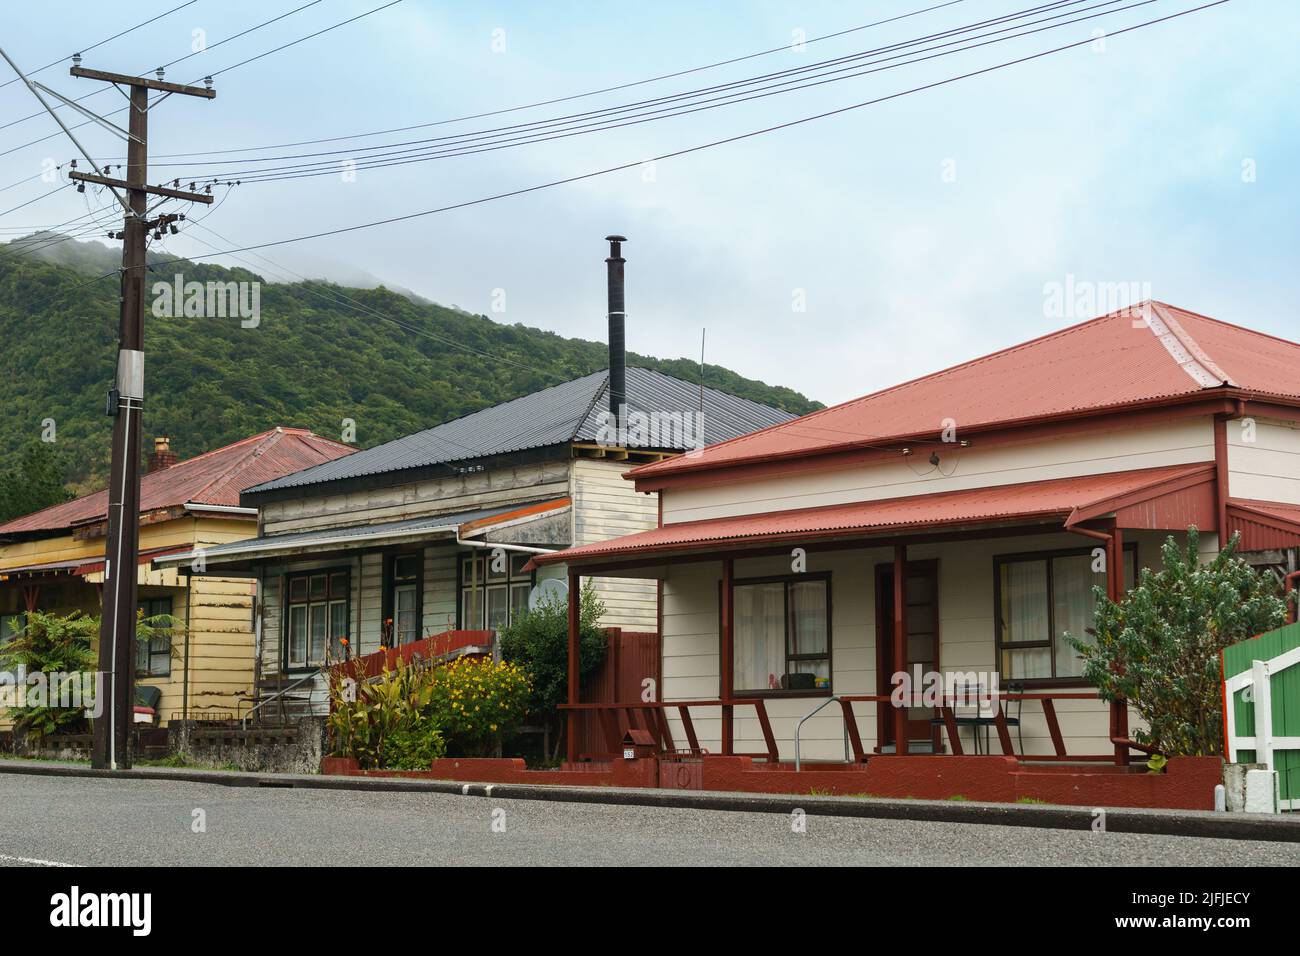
638,743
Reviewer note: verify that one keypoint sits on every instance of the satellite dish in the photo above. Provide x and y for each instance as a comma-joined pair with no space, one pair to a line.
547,591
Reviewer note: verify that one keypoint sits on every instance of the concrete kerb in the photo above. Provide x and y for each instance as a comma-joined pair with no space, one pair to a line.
1187,823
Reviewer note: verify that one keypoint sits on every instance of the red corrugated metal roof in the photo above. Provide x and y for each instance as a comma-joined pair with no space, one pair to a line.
1264,525
1114,361
1062,498
213,478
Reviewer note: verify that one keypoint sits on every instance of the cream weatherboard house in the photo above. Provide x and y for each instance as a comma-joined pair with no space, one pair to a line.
53,560
430,533
957,525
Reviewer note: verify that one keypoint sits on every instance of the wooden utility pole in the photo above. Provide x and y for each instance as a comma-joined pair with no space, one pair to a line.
126,404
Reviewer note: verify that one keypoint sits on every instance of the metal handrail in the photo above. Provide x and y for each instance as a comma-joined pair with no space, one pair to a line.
281,692
812,713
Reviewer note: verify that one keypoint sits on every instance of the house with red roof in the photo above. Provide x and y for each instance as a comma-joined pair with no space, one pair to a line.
953,529
53,560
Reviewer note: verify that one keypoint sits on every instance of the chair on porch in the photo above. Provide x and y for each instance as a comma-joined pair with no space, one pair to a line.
983,713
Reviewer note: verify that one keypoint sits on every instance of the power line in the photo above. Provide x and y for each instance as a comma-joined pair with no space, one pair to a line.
539,125
37,199
197,79
715,143
565,99
172,62
93,46
493,143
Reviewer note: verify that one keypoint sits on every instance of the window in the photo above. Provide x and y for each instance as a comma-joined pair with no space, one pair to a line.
494,589
1041,598
403,604
317,617
154,658
782,634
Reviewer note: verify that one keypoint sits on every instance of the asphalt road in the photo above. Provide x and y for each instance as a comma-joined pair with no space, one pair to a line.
83,821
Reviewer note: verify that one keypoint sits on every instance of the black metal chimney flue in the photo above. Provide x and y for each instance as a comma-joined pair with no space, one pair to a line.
617,316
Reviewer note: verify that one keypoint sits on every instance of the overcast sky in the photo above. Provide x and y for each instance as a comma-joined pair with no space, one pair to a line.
836,257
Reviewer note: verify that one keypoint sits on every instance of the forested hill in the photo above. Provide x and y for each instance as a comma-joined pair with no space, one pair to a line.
314,360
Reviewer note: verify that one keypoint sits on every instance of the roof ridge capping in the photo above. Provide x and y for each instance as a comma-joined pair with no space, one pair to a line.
1172,336
1181,346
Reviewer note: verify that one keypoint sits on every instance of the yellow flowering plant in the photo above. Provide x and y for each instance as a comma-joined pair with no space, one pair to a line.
477,701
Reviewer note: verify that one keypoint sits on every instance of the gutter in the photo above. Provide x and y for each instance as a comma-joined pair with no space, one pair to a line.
492,545
221,510
275,549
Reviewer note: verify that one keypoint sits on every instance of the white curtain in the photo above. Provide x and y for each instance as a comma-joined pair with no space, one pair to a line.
759,618
1025,618
1072,583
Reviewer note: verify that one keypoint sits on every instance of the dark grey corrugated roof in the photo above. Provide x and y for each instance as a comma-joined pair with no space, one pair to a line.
552,416
255,547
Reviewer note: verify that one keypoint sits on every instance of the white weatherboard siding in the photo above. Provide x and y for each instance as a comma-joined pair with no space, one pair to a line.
1176,442
460,493
1268,466
606,506
966,627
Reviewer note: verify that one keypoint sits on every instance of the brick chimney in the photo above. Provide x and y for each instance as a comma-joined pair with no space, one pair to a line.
163,456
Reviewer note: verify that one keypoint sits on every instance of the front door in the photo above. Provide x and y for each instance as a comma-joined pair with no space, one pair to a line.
921,594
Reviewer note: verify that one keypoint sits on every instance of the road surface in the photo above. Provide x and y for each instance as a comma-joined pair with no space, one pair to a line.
86,821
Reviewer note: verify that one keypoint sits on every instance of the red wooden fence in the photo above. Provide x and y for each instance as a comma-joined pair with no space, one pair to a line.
631,659
430,648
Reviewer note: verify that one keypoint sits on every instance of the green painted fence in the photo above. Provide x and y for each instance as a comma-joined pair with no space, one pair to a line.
1279,655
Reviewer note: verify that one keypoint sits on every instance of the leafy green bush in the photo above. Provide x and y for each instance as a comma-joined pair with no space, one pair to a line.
365,714
63,644
406,717
1159,648
414,745
539,641
477,701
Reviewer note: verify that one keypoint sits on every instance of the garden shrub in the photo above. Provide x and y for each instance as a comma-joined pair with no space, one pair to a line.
1160,647
538,640
477,701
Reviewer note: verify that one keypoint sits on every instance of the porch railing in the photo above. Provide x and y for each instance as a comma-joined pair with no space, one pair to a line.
947,712
653,716
656,723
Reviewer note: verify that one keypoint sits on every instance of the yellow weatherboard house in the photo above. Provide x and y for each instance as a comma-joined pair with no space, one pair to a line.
53,560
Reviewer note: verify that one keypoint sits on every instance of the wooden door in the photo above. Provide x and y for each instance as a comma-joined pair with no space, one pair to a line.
921,594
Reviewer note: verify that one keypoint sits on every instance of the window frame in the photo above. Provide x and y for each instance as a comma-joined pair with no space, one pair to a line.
392,585
287,604
507,583
787,580
999,645
153,652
